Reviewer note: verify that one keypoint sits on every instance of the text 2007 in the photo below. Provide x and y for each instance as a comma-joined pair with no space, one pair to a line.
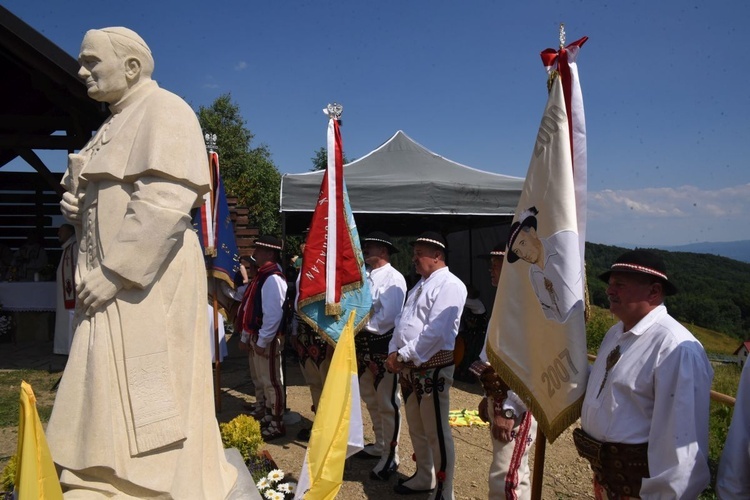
557,373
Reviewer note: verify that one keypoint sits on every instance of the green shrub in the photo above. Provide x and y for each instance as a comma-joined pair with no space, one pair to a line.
599,323
8,476
243,433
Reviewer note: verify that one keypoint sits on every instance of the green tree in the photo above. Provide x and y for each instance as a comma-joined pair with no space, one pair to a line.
248,172
320,160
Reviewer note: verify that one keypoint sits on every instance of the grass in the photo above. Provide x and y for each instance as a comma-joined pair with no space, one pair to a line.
10,389
713,342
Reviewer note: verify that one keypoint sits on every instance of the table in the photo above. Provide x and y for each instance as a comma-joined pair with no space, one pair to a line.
33,307
26,296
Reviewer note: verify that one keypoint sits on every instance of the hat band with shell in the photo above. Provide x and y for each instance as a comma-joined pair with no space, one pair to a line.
497,253
642,269
431,241
268,245
378,240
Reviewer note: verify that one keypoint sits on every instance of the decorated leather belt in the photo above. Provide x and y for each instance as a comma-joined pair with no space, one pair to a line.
372,343
442,358
618,467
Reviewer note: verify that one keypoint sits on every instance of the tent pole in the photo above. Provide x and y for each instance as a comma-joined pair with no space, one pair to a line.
284,263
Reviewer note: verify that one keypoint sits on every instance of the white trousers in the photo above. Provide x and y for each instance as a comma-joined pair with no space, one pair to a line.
510,477
427,400
271,377
379,391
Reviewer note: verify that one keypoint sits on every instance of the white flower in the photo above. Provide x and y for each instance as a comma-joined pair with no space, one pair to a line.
273,495
275,476
263,484
286,487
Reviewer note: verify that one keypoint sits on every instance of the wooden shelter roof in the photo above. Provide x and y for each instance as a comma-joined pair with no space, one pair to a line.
43,103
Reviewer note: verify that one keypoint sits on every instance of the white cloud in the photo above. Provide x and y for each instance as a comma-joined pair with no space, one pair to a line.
668,216
683,201
240,66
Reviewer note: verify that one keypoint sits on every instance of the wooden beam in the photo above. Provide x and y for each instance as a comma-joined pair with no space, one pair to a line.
34,123
36,162
40,141
25,221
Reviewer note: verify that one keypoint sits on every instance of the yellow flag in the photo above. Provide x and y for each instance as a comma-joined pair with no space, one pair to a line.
36,477
337,430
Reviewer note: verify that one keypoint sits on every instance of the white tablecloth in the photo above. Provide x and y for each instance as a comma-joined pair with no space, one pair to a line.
28,296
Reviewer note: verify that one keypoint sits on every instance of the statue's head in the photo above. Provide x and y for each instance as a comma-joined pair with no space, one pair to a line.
113,61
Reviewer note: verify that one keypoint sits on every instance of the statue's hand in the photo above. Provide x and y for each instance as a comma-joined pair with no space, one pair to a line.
97,288
70,206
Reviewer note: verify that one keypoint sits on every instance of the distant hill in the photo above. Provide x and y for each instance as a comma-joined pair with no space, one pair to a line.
737,250
714,291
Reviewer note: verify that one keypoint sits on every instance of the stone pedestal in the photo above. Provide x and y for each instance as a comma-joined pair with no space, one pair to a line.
244,488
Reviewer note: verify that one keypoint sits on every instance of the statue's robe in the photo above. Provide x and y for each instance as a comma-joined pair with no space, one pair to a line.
134,414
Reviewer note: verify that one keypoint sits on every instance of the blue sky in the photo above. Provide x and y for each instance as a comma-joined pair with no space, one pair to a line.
664,86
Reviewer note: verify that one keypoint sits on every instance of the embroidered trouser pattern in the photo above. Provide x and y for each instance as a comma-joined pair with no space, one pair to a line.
510,477
427,400
271,377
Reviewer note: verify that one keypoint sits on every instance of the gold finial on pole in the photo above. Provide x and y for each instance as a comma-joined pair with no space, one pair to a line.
562,35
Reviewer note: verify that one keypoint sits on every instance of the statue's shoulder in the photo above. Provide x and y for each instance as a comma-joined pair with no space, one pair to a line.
163,101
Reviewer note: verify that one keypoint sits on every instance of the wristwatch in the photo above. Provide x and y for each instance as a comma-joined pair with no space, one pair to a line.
399,358
509,414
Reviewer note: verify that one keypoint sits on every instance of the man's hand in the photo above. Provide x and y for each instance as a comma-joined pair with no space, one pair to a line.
260,351
97,288
70,206
392,364
502,428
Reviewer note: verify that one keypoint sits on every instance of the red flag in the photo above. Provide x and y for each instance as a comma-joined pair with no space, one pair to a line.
329,266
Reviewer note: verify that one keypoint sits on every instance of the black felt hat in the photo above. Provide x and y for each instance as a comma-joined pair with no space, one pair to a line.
642,262
381,238
498,251
431,238
526,219
268,241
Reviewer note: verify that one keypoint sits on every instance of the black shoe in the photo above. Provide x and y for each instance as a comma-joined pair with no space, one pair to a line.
304,435
400,489
385,474
402,480
362,454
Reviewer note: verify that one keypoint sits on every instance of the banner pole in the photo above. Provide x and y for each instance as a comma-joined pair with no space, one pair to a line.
217,352
538,476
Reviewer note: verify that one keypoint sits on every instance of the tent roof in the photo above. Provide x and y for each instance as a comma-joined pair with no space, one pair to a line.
403,177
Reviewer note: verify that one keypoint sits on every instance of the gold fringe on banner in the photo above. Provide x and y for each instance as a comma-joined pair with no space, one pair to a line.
550,429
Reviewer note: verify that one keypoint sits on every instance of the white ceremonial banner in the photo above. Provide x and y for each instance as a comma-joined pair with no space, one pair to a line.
537,335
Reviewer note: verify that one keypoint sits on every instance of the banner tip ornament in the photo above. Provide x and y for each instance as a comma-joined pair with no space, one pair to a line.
334,110
562,35
210,142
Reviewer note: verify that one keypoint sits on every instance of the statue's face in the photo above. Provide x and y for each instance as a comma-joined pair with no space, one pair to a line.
101,69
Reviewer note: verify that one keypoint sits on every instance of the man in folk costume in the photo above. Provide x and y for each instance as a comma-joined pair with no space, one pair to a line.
262,332
421,351
314,353
66,290
512,427
644,422
257,408
134,413
379,387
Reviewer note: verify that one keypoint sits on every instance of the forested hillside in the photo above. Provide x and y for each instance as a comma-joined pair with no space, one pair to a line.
714,292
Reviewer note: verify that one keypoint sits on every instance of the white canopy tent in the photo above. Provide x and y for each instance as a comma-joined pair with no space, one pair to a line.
403,177
403,188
